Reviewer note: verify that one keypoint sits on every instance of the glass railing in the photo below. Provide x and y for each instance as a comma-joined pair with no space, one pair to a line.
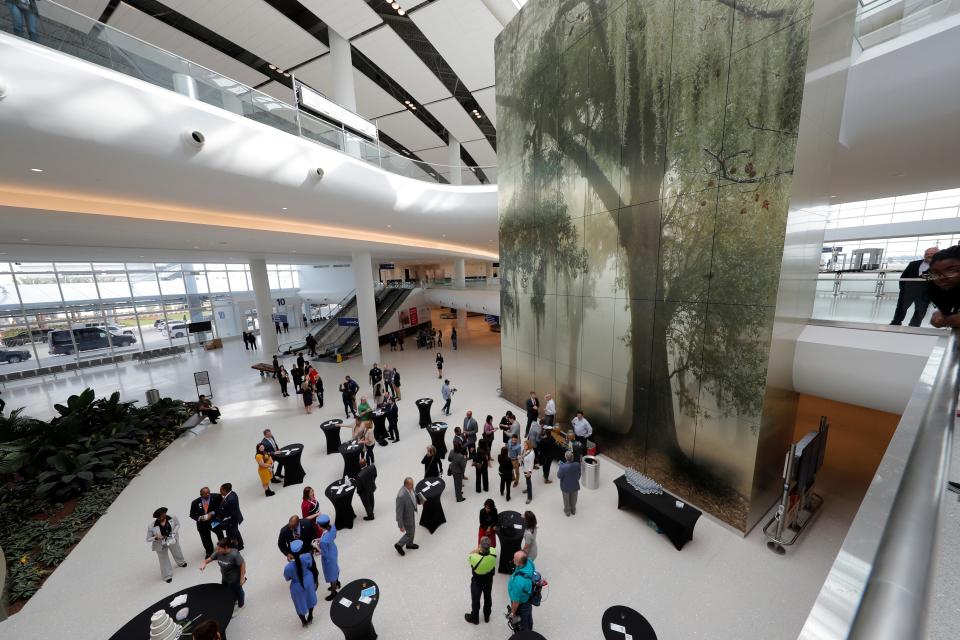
860,296
881,20
67,31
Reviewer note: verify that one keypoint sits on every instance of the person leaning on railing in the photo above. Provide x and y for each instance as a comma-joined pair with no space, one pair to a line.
944,287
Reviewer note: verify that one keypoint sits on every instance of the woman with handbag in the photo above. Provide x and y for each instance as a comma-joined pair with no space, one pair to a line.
264,468
162,536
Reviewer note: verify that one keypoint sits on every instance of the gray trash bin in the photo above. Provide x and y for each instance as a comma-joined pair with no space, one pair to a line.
153,396
590,471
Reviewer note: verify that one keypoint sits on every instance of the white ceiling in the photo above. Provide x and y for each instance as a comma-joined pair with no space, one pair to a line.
463,32
389,52
346,17
482,152
457,121
408,131
487,98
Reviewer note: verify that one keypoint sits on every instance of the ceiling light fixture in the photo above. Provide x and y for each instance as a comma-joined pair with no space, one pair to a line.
37,170
284,208
400,12
196,247
395,5
272,66
24,239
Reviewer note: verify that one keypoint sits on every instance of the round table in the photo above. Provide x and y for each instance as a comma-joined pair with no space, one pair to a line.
619,621
351,459
341,496
528,635
353,617
289,455
380,426
331,429
431,515
423,405
510,533
438,432
209,601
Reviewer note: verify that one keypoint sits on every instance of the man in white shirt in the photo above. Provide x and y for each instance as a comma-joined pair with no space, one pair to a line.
549,410
582,429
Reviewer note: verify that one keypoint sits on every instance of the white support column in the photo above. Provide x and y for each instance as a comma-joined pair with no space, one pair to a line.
460,282
341,56
261,293
362,264
184,84
453,160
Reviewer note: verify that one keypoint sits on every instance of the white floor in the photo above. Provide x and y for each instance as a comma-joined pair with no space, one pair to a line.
720,586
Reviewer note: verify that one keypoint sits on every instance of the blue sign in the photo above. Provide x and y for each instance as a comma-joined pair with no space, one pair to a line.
348,322
491,319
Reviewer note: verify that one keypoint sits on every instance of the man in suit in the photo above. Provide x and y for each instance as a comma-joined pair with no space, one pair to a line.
270,444
407,502
202,511
533,411
228,514
303,530
915,292
366,485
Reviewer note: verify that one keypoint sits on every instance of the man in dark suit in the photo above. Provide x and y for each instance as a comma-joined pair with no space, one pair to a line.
366,485
228,514
914,292
533,411
202,510
303,530
270,444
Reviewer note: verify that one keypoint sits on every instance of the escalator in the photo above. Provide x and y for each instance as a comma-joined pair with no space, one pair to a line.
346,308
388,301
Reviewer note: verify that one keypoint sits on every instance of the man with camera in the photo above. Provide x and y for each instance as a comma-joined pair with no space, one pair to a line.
521,591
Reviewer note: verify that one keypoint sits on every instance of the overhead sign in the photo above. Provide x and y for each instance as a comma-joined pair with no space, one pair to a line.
387,266
279,317
348,322
491,319
315,102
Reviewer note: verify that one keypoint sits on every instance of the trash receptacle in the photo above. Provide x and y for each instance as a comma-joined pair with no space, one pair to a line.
590,472
153,396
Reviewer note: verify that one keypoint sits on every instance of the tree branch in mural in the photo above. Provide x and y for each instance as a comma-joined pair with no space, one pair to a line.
621,127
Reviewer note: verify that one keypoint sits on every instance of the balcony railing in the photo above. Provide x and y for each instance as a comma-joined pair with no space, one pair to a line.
67,31
881,20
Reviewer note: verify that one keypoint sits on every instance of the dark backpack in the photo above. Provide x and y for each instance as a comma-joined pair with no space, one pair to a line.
537,585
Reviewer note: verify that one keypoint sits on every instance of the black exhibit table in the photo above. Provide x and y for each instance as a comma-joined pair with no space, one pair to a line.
341,496
293,472
621,622
423,405
510,532
331,429
351,459
380,426
662,508
431,515
438,432
210,601
527,635
352,610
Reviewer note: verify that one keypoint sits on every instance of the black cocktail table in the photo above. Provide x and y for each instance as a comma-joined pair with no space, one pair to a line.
619,622
677,523
353,617
380,426
438,432
351,459
341,496
423,405
209,601
331,429
289,455
510,533
527,635
431,515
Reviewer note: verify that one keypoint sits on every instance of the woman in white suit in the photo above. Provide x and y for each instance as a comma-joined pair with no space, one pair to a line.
163,535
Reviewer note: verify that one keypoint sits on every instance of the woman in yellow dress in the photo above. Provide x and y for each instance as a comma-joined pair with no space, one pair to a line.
264,468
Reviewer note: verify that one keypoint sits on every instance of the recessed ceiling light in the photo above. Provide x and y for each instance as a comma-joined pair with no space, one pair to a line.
293,250
140,256
444,235
389,226
286,74
833,196
284,208
37,170
196,247
395,5
400,12
24,239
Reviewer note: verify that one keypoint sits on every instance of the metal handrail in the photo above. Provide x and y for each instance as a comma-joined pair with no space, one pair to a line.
894,603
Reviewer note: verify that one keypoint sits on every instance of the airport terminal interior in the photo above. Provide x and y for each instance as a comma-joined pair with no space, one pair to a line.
547,319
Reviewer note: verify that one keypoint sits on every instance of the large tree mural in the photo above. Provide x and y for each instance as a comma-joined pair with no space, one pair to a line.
645,150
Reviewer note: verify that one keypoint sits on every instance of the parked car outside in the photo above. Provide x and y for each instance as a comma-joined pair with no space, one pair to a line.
85,339
175,330
8,356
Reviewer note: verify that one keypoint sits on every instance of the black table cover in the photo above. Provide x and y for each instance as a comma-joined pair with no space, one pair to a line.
438,432
331,429
510,533
351,459
289,455
356,619
527,635
209,601
431,512
619,622
423,405
380,427
662,509
341,496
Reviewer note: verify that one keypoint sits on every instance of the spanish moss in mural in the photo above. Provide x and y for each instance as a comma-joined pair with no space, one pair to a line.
645,154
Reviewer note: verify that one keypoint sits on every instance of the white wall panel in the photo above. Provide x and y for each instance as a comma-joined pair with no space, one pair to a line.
318,74
408,131
463,32
346,17
151,30
451,115
487,99
255,26
392,54
372,101
482,152
435,156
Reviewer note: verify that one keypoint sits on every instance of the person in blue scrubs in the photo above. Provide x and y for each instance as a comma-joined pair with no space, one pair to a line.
303,590
327,545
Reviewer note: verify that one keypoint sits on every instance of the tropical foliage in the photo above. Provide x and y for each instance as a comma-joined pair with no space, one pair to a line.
57,477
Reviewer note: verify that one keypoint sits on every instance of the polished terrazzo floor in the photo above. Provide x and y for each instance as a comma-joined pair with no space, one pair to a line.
720,586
